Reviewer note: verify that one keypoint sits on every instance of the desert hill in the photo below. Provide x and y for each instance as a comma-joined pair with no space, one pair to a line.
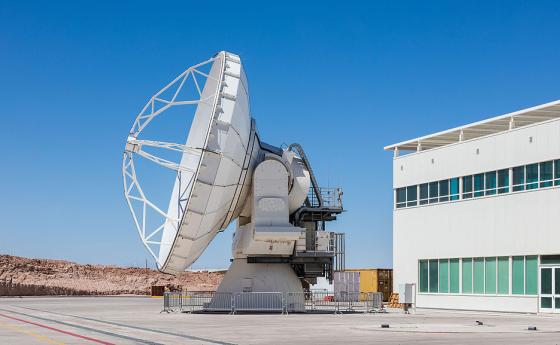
28,277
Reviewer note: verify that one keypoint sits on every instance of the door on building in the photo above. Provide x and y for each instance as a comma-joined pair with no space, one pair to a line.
549,293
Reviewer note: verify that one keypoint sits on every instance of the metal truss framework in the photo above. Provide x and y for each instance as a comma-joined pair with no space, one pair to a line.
133,192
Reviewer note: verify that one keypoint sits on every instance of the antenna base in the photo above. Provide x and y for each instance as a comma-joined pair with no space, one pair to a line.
277,279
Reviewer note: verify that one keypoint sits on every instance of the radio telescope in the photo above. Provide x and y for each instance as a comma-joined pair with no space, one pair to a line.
224,172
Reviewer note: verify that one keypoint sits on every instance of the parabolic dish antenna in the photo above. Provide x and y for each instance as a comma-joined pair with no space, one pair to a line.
223,172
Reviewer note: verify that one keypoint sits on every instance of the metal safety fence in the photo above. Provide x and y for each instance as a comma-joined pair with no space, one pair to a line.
290,302
259,302
172,301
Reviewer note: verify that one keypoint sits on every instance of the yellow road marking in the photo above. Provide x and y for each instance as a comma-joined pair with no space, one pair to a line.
24,331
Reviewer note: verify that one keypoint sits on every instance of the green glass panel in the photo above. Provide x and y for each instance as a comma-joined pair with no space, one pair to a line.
546,281
503,275
467,275
454,275
423,275
433,186
490,275
550,259
532,175
467,187
557,172
433,267
411,196
478,185
545,174
546,302
557,281
491,183
556,302
478,268
503,181
444,275
444,190
531,275
518,275
454,189
518,178
401,197
423,194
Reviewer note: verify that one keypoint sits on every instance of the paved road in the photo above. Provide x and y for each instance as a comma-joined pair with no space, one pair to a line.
136,320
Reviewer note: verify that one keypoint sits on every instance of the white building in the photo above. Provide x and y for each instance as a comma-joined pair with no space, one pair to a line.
476,220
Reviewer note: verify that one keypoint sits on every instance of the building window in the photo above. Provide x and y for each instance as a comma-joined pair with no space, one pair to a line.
467,187
454,275
411,196
478,185
444,275
454,189
546,302
467,275
401,197
545,174
503,181
551,260
546,286
444,190
532,176
503,275
482,275
525,177
433,275
490,183
423,194
478,275
531,275
557,172
433,186
490,275
518,178
423,275
518,275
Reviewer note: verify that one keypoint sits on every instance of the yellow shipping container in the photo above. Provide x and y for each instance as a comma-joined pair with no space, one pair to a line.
368,279
375,280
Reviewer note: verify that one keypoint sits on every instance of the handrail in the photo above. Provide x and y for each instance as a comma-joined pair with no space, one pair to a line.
303,157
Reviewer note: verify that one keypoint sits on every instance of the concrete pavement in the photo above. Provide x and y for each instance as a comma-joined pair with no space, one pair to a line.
137,320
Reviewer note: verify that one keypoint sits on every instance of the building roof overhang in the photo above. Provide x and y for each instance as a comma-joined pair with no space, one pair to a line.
502,123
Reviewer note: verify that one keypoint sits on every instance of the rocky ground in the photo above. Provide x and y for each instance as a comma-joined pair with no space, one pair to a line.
25,277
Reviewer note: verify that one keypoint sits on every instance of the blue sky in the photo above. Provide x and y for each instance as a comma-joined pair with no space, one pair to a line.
343,79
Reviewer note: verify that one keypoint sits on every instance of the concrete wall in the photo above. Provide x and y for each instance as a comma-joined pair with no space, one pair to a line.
520,223
525,304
